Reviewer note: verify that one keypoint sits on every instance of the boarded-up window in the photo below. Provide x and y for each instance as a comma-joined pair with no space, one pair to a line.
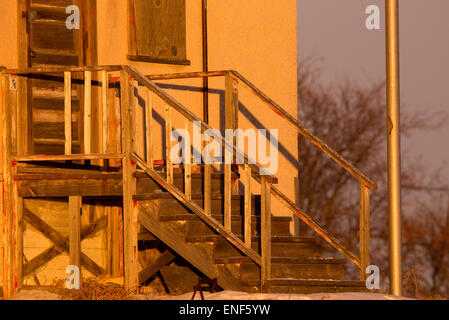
157,31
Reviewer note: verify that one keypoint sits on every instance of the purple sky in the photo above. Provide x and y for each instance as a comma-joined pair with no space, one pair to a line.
335,31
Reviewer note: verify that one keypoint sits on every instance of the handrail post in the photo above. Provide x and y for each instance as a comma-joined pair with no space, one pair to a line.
105,110
11,217
130,246
87,112
231,109
68,112
248,211
75,204
168,133
149,128
265,232
364,229
187,162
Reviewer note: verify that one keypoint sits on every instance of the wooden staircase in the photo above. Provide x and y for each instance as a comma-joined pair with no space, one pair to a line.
222,229
296,265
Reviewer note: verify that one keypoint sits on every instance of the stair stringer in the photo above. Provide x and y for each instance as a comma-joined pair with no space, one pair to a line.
200,255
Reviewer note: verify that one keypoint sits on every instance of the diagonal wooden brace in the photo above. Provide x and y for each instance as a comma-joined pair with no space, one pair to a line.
61,244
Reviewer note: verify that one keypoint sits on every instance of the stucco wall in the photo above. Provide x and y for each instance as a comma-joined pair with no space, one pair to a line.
8,33
256,38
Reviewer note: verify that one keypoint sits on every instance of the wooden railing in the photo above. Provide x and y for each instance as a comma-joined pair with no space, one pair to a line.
204,213
366,184
132,81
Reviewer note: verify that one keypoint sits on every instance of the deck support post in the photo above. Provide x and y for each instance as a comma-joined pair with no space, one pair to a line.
11,217
364,230
75,232
265,232
231,111
129,184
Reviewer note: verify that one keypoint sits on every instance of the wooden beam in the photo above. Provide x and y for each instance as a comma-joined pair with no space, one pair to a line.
149,128
231,109
72,157
187,163
55,69
265,233
87,112
75,231
68,112
364,230
248,212
18,237
35,278
61,243
157,265
54,251
9,101
105,111
129,186
70,187
168,133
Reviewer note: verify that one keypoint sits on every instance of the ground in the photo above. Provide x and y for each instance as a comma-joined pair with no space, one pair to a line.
225,295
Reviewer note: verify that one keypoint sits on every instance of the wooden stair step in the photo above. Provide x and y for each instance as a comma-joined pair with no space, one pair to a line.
294,247
217,237
197,196
193,217
306,286
297,268
280,226
147,185
167,205
198,255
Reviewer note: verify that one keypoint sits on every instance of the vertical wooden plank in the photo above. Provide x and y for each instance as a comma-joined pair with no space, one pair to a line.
105,111
23,115
187,163
207,176
231,102
129,186
87,112
137,126
17,233
68,112
116,238
364,230
9,220
109,235
207,189
168,132
231,106
248,221
227,197
149,128
266,232
75,231
4,227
